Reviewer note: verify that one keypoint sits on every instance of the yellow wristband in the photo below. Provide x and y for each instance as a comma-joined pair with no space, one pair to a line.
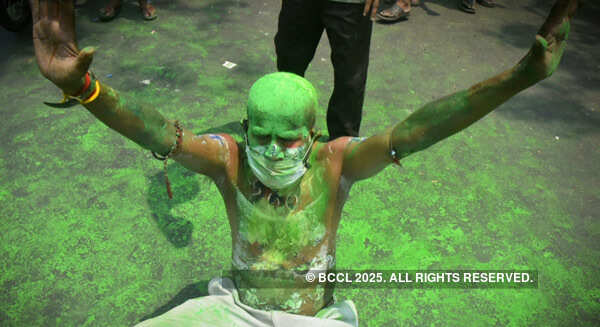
94,95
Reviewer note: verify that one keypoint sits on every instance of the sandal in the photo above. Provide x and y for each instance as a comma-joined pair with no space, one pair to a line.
396,13
109,12
148,11
467,6
487,3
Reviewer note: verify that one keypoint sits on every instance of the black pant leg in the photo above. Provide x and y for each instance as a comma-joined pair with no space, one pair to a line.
298,33
349,34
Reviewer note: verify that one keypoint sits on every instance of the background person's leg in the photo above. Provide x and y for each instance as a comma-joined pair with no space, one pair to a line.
349,34
298,33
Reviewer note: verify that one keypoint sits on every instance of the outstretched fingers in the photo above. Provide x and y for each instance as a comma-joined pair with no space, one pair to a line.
54,24
557,23
51,9
58,56
35,10
43,8
66,16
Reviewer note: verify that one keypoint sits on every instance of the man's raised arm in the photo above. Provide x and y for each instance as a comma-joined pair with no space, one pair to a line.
60,61
440,119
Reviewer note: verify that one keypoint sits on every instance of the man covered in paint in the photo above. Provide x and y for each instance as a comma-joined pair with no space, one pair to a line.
283,190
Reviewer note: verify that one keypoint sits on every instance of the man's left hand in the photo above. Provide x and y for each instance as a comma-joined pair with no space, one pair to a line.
550,42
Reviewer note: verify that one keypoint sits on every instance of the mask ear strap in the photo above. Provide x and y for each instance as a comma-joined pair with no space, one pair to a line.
244,123
310,146
317,134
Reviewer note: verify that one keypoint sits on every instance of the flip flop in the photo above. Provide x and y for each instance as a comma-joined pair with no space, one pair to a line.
487,3
109,13
467,6
149,13
396,11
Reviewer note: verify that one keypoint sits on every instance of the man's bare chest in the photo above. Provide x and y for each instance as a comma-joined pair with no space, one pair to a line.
266,215
278,227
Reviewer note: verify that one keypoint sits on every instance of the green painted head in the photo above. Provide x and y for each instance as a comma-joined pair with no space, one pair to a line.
281,117
281,109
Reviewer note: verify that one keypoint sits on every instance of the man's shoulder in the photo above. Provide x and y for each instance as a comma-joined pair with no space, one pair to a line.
224,141
332,148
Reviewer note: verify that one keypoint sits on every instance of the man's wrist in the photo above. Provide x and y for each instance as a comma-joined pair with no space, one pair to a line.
85,86
524,73
88,92
89,88
74,89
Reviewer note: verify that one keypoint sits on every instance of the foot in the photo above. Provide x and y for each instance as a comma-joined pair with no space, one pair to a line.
148,11
394,13
111,10
467,6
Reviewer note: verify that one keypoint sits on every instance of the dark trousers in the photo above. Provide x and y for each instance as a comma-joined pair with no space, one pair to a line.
301,24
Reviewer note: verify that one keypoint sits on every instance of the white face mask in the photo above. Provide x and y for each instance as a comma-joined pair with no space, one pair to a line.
278,174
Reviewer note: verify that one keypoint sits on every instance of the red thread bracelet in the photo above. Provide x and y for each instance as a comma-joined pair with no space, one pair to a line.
86,85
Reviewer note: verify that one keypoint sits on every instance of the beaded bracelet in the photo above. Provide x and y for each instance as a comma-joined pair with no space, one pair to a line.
393,152
174,148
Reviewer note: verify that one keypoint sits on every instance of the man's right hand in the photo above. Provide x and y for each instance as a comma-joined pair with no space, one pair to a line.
55,44
371,7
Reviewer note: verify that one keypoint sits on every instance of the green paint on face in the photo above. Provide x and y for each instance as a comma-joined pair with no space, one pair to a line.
281,108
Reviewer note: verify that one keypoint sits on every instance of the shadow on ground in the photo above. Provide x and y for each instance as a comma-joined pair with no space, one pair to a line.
178,230
191,291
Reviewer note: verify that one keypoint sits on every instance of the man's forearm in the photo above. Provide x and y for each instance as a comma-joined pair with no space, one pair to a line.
143,125
449,115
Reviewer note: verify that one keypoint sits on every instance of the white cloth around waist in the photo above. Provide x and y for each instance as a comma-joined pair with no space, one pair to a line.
222,307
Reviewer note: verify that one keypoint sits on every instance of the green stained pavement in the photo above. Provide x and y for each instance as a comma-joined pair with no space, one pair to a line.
89,237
